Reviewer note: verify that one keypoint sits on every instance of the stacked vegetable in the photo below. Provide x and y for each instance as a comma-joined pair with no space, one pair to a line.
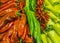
52,32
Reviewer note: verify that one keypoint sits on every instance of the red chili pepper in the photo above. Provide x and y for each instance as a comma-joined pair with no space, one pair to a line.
8,26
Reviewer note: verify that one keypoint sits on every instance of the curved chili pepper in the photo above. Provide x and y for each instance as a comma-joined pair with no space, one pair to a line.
5,4
10,11
25,32
14,37
22,22
4,1
8,20
8,26
8,35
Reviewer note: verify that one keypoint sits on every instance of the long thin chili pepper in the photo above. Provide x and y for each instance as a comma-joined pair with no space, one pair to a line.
7,6
4,5
6,27
4,1
25,32
22,22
